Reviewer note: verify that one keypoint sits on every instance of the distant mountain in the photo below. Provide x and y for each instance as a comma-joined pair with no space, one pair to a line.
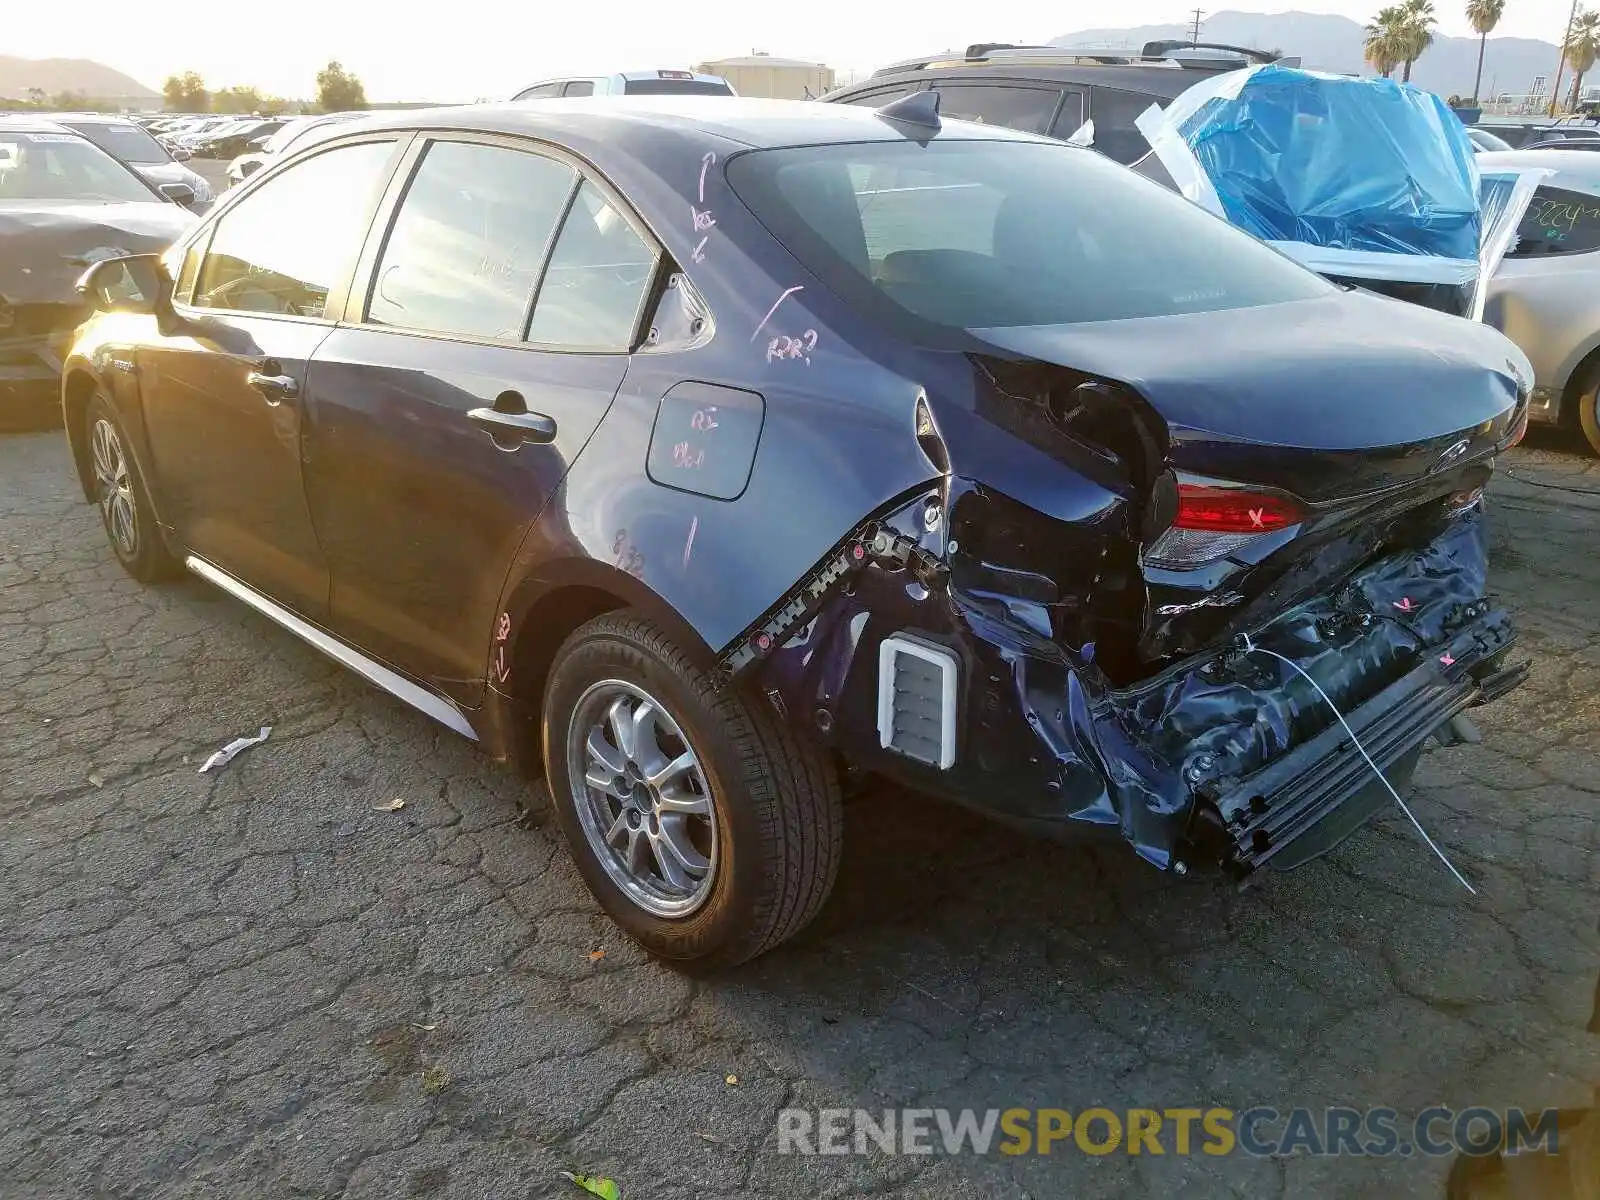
54,75
1331,43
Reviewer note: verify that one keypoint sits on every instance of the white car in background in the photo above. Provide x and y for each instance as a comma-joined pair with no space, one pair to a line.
1545,295
293,134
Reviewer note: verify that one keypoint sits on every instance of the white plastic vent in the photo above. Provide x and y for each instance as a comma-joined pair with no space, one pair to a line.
917,700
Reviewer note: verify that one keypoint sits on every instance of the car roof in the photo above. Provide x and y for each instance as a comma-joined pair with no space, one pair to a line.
1581,167
756,123
1162,69
93,118
17,123
1148,79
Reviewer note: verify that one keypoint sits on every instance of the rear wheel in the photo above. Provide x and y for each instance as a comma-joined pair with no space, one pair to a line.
706,829
122,498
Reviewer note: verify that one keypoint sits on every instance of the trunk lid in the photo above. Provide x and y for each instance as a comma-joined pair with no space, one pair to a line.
1328,398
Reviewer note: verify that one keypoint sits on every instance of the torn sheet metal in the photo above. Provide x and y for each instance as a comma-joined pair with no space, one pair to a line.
1049,740
233,749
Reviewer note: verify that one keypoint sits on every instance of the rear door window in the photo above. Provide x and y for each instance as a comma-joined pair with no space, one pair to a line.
469,240
1113,113
1030,109
1559,221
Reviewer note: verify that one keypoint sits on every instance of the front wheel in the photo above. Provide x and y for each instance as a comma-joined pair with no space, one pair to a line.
707,830
1589,411
123,499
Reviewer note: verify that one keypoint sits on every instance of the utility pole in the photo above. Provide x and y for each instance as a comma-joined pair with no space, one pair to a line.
1555,92
1194,29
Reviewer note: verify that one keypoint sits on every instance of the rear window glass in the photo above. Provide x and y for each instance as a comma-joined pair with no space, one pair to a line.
1558,222
675,87
128,142
988,234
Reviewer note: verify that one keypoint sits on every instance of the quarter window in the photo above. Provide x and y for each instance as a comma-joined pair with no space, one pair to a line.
1558,221
288,243
597,279
468,242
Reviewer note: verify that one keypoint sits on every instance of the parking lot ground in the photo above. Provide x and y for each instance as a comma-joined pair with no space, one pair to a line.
263,982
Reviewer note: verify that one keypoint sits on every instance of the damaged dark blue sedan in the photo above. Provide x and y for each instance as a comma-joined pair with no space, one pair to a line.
698,451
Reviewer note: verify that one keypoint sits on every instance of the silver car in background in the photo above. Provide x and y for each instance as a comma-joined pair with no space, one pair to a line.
1546,294
133,145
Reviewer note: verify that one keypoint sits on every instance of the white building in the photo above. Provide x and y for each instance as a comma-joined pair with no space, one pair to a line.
776,78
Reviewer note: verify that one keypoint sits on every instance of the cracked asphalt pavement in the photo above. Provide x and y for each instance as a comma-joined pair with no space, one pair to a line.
258,983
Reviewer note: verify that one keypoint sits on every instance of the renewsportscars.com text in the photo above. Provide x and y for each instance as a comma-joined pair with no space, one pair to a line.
1258,1131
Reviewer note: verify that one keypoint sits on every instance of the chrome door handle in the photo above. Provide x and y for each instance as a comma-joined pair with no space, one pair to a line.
276,388
515,427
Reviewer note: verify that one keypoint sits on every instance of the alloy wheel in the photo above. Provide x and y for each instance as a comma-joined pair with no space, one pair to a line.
642,799
114,487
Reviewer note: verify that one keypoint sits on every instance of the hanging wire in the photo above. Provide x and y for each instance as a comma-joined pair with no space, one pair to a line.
1251,648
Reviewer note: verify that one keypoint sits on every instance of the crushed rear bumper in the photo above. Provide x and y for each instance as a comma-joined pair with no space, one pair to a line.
1316,795
1228,757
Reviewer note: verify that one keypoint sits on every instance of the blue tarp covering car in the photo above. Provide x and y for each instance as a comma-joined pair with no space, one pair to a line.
1365,180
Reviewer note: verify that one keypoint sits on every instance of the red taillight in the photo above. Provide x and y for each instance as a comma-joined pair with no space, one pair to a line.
1233,510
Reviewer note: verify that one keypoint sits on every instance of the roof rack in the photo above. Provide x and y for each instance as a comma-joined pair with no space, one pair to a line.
1163,48
1173,54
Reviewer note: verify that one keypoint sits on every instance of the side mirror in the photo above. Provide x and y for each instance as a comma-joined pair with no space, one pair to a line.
179,193
179,154
135,284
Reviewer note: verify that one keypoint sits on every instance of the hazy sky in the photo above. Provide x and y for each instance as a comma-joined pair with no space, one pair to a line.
461,49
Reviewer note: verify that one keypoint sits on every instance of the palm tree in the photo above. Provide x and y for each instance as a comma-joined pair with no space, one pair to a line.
1384,47
1583,46
1483,15
1416,33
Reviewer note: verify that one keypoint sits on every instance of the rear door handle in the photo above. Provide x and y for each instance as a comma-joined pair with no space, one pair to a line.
515,427
276,388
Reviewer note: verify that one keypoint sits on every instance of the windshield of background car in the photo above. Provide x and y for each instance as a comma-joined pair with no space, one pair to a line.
995,234
63,166
128,142
675,87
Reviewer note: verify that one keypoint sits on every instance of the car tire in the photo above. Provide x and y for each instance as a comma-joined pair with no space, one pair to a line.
706,829
1589,411
122,498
